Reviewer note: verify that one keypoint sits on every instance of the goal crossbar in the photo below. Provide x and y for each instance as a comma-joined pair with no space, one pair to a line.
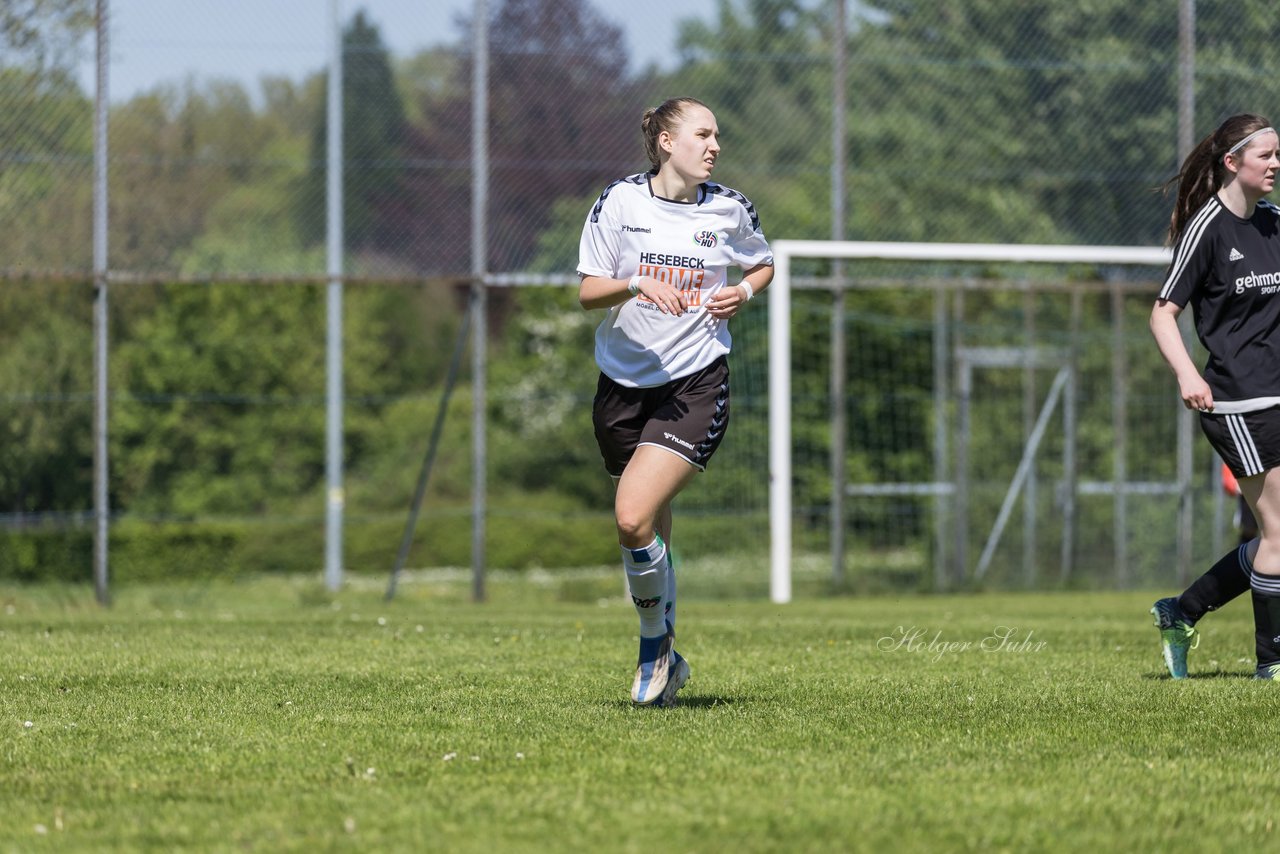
784,251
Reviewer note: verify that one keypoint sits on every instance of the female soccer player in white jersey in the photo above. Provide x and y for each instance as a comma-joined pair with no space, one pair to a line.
655,253
1226,266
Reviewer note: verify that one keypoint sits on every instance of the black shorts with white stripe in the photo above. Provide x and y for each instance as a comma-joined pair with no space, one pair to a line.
1249,443
686,416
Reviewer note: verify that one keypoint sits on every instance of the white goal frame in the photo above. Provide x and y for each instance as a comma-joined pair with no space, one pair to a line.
780,344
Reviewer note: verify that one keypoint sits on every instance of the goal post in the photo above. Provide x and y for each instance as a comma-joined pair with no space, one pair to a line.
780,352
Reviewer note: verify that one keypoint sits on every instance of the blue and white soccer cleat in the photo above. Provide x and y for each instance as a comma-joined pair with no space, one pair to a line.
1268,671
1177,635
653,670
675,679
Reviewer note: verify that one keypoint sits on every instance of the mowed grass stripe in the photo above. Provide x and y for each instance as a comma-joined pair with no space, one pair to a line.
269,716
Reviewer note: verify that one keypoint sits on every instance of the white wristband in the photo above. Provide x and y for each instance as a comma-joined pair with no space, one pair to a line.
633,287
747,287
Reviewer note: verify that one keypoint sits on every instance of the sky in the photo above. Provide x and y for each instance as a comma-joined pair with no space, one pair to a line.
168,41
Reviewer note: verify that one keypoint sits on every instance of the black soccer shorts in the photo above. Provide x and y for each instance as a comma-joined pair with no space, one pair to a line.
687,416
1249,443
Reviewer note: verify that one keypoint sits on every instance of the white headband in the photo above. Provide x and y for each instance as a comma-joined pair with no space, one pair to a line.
1242,143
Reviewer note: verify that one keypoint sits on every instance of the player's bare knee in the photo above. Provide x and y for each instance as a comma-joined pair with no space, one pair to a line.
634,529
1266,559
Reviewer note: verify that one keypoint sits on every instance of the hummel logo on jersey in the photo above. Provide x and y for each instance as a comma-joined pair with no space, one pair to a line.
637,230
1235,255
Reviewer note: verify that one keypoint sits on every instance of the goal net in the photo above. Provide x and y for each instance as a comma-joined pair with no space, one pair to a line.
951,416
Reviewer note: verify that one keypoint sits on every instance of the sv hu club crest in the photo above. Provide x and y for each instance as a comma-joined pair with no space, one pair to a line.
706,239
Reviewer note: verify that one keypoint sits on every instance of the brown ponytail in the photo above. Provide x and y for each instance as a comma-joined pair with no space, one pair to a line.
666,116
1203,171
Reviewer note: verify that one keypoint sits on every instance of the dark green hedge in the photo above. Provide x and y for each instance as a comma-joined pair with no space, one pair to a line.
151,551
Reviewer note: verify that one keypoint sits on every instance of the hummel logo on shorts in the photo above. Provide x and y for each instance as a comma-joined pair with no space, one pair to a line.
1235,255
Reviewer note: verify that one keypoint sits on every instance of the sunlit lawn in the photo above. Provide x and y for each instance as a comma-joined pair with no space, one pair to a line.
271,715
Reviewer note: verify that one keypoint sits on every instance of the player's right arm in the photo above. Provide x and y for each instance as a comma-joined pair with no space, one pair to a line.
1193,389
1191,265
599,260
602,292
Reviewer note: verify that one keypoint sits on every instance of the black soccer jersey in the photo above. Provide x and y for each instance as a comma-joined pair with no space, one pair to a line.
1228,270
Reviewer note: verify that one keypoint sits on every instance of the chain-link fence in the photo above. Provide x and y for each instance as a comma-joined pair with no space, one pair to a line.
993,121
978,121
1004,425
218,423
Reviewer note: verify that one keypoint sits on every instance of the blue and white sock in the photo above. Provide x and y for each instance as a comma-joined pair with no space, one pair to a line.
647,574
671,589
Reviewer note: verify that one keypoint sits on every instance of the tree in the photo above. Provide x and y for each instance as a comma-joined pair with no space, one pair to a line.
46,184
763,67
220,390
990,120
996,121
44,35
563,122
373,128
46,144
1004,121
46,364
177,154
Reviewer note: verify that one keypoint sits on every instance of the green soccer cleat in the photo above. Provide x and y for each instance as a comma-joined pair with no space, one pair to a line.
1177,635
1268,671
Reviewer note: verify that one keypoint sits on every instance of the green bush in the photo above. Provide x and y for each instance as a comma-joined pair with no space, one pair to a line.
152,551
39,554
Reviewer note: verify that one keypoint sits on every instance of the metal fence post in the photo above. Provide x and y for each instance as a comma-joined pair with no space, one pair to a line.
1070,430
333,336
479,265
941,430
1120,429
1030,490
101,468
839,419
1186,139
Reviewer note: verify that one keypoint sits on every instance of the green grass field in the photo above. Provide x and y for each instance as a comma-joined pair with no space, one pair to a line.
269,715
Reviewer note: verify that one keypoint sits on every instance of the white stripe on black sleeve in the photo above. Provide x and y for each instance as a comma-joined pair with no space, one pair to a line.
1190,242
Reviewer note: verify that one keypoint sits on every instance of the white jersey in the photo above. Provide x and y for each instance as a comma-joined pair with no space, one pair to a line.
631,231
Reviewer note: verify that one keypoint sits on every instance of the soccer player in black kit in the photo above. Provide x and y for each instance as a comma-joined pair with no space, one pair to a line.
1226,266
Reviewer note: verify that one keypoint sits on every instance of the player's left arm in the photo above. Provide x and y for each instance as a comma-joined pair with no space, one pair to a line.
730,300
